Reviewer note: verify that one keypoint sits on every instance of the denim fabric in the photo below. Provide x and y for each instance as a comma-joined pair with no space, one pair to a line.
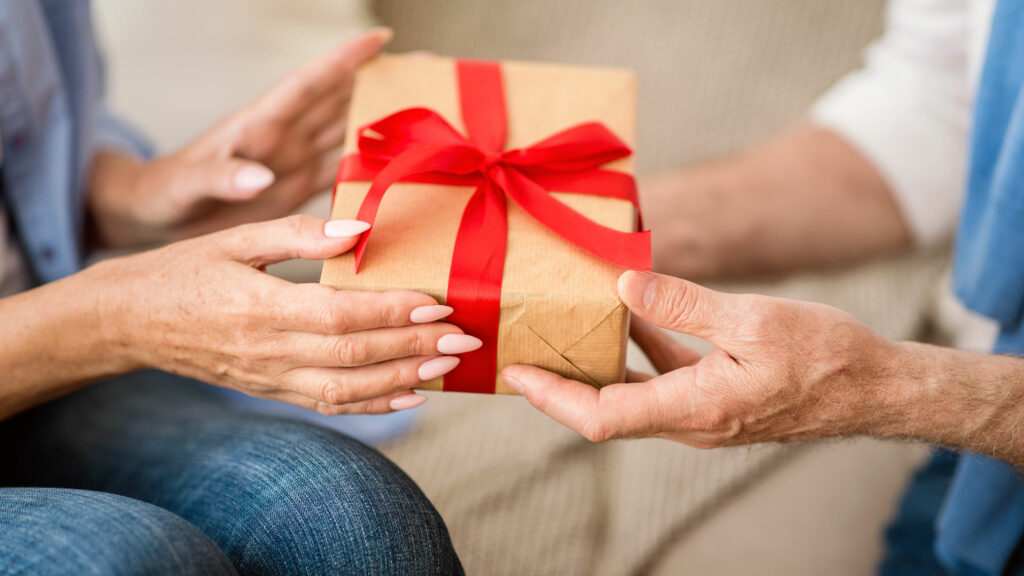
52,120
55,531
277,496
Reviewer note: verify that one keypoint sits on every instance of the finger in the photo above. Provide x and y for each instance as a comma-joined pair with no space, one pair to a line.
328,109
230,180
331,72
340,386
320,309
616,411
382,405
287,194
678,304
300,236
664,352
372,346
331,134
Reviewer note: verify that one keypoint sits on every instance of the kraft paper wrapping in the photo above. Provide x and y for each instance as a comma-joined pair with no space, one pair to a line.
559,306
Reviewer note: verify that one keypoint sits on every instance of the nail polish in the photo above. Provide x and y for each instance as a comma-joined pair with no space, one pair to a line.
252,177
407,401
345,228
437,367
458,343
425,314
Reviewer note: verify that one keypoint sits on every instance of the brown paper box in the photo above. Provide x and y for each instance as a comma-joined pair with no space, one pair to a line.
559,306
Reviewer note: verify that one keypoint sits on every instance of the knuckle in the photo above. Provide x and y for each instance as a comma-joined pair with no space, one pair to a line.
350,351
716,427
335,392
298,223
391,313
420,343
334,317
681,305
405,374
762,315
595,430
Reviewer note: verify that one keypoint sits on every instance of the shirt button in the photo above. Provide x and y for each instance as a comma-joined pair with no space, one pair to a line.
20,140
46,253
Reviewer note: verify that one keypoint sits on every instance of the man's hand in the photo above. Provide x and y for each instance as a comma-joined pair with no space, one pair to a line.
780,371
260,163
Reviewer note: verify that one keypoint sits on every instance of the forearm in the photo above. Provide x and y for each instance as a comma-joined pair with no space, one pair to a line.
54,340
804,199
954,398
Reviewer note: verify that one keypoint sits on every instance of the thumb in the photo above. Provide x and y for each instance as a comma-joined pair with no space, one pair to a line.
677,304
230,180
299,236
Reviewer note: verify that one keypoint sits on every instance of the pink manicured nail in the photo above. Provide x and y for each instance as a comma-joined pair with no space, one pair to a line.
407,401
424,314
437,367
458,343
252,177
345,228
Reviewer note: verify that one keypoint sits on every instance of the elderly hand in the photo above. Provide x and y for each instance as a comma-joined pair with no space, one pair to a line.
260,163
780,371
204,308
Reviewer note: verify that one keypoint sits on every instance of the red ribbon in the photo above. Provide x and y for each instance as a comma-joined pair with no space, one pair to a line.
418,145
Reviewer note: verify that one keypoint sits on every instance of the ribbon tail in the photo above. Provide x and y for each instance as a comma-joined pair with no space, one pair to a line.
474,287
415,160
631,250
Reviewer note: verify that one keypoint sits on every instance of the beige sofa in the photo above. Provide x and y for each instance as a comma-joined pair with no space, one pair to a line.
522,495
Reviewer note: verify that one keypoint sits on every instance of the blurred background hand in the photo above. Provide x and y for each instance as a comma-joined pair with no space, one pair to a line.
259,163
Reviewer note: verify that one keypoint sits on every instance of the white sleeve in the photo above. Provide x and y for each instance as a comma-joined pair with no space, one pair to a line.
908,109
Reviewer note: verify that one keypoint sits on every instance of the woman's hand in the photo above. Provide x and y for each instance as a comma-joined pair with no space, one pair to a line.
780,371
204,308
260,163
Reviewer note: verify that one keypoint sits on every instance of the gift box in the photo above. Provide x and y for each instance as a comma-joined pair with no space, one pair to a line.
505,190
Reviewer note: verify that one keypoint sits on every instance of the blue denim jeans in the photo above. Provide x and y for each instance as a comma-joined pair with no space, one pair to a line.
150,473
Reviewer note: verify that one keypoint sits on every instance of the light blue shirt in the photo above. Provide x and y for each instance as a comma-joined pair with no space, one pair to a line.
52,120
982,523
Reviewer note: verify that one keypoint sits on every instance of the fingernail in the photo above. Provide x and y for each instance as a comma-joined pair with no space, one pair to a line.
512,382
638,287
384,33
437,367
424,314
458,343
407,401
253,177
345,228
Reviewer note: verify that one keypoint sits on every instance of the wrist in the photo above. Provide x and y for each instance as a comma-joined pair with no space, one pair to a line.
947,396
114,322
113,182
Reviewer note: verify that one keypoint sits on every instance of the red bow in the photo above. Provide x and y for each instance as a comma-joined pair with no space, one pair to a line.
418,145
